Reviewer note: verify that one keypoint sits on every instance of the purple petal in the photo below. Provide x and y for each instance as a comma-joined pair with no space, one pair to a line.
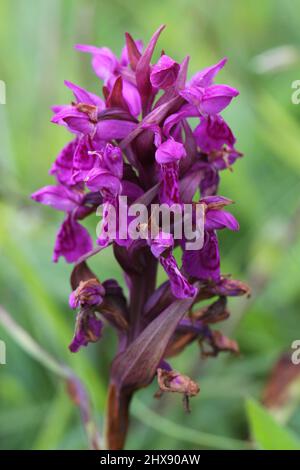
88,329
182,74
84,160
170,151
204,264
210,182
99,179
164,72
131,53
213,133
193,95
143,71
218,219
105,237
104,61
132,98
56,108
168,155
58,197
205,77
180,287
114,129
75,120
169,190
72,242
111,160
185,112
216,98
161,243
115,98
83,96
62,168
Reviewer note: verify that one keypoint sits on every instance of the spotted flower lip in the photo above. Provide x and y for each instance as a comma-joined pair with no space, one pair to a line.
72,242
170,151
205,263
168,155
62,168
138,141
213,133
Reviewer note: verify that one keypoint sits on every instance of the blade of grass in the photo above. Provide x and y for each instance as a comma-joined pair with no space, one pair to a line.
278,122
181,433
76,389
51,321
55,423
269,434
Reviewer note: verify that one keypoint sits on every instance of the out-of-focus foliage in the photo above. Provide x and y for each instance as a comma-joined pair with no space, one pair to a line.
36,40
269,434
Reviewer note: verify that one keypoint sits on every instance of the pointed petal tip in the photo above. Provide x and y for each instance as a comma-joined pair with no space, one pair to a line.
161,27
85,48
68,83
79,47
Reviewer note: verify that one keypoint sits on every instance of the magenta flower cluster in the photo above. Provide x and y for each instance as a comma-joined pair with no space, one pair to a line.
137,140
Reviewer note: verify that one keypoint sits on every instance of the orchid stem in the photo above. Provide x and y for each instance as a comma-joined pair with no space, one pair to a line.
117,418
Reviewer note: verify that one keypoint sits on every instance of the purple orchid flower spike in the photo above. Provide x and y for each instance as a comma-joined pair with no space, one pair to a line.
131,150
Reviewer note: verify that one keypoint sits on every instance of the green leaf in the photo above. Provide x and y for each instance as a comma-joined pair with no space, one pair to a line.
268,433
135,367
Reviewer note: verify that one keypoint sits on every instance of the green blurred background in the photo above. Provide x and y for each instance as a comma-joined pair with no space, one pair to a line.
37,55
